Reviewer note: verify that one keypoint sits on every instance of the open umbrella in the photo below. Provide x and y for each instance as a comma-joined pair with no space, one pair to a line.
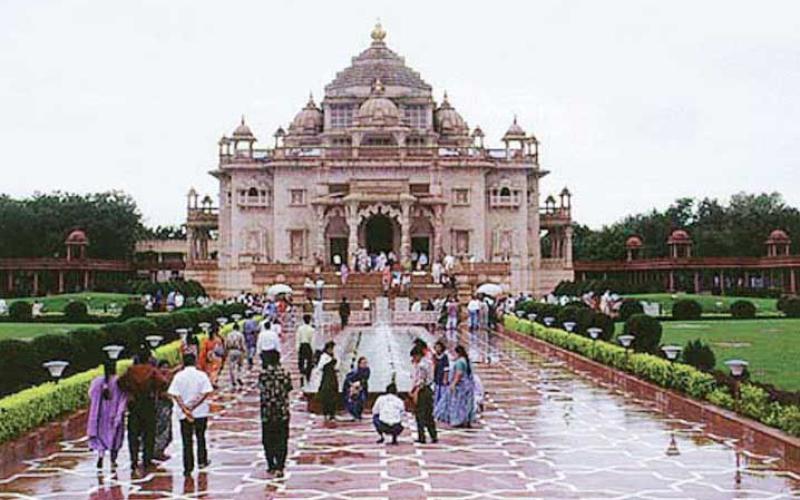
279,289
490,289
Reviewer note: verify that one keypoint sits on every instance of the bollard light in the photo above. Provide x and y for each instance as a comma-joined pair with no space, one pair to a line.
154,340
113,351
549,320
736,367
594,332
626,340
182,333
672,448
569,326
222,320
236,317
520,313
672,351
532,317
56,368
205,326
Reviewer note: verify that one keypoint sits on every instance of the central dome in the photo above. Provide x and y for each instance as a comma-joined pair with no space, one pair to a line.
378,110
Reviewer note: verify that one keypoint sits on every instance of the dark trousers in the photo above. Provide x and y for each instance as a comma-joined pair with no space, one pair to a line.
384,428
197,428
275,438
141,430
424,414
305,360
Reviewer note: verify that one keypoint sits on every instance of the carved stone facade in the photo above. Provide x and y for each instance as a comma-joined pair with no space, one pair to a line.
379,165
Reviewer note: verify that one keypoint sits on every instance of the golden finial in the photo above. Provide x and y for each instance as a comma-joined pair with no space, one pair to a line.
377,86
378,33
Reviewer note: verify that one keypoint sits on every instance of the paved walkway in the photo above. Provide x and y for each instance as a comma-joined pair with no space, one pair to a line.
545,433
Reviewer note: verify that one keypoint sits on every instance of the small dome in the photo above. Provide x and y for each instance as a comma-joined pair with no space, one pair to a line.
679,236
77,237
633,242
565,192
514,132
243,131
308,120
778,236
448,121
378,110
478,132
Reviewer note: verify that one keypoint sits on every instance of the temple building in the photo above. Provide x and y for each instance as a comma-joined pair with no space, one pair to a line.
378,164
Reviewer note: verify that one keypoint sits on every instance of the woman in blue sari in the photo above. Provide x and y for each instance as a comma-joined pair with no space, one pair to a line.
441,379
356,388
460,398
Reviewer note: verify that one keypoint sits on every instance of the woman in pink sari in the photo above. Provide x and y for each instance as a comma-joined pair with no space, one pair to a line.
105,424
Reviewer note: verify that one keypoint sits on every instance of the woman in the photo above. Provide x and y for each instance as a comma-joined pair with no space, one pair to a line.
213,352
328,391
441,373
356,388
163,417
190,345
345,272
107,403
461,394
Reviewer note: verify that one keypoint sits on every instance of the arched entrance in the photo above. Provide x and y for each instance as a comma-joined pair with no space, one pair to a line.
379,232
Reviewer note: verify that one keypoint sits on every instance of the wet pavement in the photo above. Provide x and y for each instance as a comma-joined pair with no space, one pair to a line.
544,433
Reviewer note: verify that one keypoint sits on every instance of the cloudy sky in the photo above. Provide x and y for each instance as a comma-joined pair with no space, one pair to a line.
636,103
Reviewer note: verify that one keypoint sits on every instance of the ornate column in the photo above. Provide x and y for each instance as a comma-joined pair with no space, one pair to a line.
61,282
35,284
405,233
351,211
568,245
319,211
438,228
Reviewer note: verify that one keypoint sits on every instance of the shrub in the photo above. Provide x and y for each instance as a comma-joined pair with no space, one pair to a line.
630,307
567,314
743,309
605,323
120,334
699,355
17,360
646,331
20,311
76,311
132,310
686,309
791,307
51,347
89,342
140,328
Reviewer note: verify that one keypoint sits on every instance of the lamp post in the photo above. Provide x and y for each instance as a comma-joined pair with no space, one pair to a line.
532,317
113,351
626,341
236,317
569,326
549,320
672,448
56,368
671,352
520,313
222,320
737,367
205,326
594,332
154,340
182,333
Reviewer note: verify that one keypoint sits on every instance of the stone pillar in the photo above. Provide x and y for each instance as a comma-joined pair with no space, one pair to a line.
61,282
35,284
10,280
86,280
696,282
352,224
568,246
671,281
722,282
320,234
405,233
792,281
438,228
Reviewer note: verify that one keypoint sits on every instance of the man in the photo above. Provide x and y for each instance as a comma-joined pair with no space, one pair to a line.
387,414
474,309
274,386
366,305
422,395
344,312
305,350
189,389
142,382
235,346
250,337
268,340
320,286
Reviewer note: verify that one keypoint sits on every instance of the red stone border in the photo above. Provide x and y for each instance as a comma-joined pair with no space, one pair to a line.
751,435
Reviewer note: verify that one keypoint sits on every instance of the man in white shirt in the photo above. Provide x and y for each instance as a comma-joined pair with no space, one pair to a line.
473,308
268,340
305,350
387,414
190,389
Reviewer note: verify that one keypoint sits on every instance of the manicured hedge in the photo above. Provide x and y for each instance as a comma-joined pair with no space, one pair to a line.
743,309
76,311
629,307
686,309
20,311
755,401
790,306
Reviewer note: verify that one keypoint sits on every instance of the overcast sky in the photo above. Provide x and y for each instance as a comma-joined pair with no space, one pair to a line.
635,103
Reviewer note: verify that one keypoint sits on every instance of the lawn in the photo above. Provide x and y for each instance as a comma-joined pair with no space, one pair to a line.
771,346
30,330
96,301
711,304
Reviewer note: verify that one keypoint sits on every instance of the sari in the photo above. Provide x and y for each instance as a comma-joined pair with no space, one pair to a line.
459,403
355,390
213,353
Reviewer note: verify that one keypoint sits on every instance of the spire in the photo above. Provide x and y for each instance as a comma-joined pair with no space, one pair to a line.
311,104
377,87
378,33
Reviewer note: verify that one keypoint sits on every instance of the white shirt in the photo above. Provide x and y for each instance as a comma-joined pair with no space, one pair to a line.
190,384
416,306
389,409
474,305
267,341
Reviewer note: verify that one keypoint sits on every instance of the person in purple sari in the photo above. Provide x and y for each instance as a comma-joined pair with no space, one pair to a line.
105,424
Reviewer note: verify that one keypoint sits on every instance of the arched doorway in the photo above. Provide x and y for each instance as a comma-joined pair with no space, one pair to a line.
379,234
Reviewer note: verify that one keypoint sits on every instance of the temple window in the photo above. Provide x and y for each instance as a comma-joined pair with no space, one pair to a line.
461,196
297,247
416,115
341,115
460,242
504,197
297,197
415,141
420,189
254,197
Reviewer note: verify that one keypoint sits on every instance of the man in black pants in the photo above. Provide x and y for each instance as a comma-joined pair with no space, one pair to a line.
189,389
422,395
274,386
305,354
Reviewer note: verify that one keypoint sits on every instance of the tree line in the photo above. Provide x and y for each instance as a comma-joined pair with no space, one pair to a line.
736,229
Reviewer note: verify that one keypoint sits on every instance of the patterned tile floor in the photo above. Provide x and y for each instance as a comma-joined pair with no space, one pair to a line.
545,433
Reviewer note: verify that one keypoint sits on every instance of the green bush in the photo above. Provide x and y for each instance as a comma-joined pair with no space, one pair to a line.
89,342
21,311
791,307
630,307
18,361
646,331
567,314
140,328
699,355
743,309
76,311
55,347
121,334
605,323
686,309
132,310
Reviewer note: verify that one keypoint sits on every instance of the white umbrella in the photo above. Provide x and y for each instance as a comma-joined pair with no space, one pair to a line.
490,289
279,289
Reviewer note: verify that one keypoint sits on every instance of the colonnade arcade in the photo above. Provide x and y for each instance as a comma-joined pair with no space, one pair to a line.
401,226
